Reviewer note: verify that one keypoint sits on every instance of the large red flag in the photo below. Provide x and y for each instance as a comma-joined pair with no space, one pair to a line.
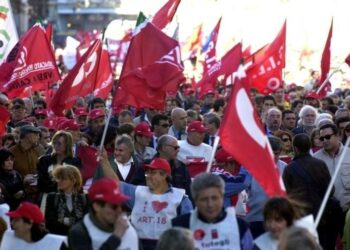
151,68
165,14
325,65
241,134
226,66
4,118
30,63
265,74
79,82
104,80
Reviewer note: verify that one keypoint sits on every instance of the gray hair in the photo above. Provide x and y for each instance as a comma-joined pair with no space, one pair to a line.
164,140
177,111
212,118
204,181
125,139
176,238
307,108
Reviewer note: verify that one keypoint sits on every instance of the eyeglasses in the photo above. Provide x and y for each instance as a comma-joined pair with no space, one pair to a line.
174,147
326,137
286,139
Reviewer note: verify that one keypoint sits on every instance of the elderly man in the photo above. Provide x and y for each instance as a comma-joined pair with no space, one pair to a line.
307,116
123,161
211,224
153,206
179,120
273,120
105,226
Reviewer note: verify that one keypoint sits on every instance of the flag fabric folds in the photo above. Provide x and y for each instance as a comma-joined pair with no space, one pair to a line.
151,68
265,70
165,14
80,81
31,63
241,126
104,79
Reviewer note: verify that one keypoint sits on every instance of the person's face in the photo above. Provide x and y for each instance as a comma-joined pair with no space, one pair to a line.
211,128
298,108
18,112
107,214
144,140
122,153
276,226
289,121
170,105
60,146
317,142
267,105
155,179
274,120
33,139
124,119
210,202
8,164
210,99
309,118
82,120
162,128
45,139
96,125
20,227
40,119
98,106
279,94
292,96
180,120
65,184
287,142
330,141
171,149
196,138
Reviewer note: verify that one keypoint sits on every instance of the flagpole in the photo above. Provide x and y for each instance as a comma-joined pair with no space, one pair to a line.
31,96
327,79
211,159
104,132
330,186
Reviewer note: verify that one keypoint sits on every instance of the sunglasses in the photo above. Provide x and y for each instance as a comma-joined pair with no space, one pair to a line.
286,139
326,137
174,147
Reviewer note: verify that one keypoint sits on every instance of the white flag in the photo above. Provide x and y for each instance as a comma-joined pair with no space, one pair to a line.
8,31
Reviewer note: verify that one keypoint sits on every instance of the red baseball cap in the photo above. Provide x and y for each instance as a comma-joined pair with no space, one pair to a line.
143,129
196,126
29,211
223,156
69,125
107,190
80,112
159,163
96,113
51,123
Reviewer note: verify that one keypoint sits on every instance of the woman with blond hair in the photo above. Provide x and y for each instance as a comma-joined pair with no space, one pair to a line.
68,205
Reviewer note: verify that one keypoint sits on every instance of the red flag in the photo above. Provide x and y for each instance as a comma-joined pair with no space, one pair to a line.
30,63
48,31
226,66
265,74
4,118
165,14
151,68
241,126
89,161
79,82
325,65
347,60
104,80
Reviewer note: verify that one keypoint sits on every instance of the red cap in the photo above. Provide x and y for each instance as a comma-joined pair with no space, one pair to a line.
29,211
159,163
69,125
223,156
40,112
196,126
51,123
143,129
312,95
107,190
80,112
96,113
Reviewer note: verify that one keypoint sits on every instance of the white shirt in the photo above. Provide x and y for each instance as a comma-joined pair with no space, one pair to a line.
124,169
190,152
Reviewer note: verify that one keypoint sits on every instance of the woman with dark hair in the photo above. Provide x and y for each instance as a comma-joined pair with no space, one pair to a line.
62,143
279,214
11,180
29,232
287,152
67,206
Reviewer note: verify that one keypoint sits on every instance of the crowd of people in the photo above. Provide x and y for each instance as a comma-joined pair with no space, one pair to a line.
148,187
